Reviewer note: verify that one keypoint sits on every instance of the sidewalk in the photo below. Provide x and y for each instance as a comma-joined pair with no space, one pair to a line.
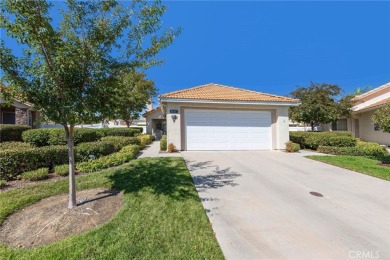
153,150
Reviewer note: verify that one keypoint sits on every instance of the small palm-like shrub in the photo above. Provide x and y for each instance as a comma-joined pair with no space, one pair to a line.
36,175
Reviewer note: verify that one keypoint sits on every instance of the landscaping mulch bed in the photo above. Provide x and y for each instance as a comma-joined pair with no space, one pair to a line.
50,220
17,184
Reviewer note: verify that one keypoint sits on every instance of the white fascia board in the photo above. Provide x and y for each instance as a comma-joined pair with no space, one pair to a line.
177,100
363,105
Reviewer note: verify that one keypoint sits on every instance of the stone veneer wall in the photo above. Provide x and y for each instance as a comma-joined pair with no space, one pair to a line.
21,116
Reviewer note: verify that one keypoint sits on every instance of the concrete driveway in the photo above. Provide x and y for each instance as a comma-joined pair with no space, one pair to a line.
261,207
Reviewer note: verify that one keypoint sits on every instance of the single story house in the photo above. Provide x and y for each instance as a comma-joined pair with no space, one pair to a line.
218,117
18,113
361,124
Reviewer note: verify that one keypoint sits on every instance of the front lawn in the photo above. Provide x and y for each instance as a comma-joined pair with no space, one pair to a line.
360,164
162,216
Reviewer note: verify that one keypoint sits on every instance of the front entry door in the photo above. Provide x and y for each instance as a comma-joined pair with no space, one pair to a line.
356,123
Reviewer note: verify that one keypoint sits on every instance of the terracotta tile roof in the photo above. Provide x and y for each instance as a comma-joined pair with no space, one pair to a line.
213,91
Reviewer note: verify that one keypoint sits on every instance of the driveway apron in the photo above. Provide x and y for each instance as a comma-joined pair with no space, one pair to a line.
275,205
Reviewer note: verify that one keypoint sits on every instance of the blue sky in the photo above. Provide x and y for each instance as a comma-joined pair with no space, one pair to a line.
274,47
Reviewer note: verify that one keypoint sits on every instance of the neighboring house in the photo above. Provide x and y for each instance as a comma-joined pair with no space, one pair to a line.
217,117
361,124
18,113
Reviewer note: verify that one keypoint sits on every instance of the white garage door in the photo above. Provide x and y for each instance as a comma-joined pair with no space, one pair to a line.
227,130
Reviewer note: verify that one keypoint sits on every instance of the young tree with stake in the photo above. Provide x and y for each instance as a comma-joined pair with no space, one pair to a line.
71,70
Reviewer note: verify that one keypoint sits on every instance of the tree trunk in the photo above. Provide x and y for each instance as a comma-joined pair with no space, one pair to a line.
312,126
129,122
72,181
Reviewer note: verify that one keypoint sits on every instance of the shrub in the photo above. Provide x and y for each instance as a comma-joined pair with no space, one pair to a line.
98,149
163,143
62,170
15,161
81,135
12,132
37,137
121,141
14,145
125,155
3,183
145,139
361,149
171,148
313,140
56,136
292,147
36,175
129,132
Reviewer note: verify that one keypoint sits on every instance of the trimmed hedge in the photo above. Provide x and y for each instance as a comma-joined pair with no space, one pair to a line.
98,149
36,175
12,132
129,132
163,143
14,145
126,154
62,170
56,136
292,147
145,139
313,140
15,161
121,141
361,149
37,137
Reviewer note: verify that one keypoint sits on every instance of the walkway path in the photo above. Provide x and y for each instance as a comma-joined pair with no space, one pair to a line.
153,150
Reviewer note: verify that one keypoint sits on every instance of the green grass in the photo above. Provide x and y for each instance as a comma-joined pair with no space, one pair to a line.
360,164
162,217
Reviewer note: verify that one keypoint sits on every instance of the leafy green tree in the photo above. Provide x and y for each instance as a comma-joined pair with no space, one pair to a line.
319,104
70,68
137,93
382,118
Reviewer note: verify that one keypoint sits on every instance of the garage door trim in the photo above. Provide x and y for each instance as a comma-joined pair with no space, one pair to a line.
183,121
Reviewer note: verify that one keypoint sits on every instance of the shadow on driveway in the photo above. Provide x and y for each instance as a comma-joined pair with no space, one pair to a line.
209,176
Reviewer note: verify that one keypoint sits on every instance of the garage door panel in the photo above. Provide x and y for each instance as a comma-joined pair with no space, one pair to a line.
227,130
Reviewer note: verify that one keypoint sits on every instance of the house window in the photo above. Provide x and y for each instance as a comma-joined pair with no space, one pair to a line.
340,125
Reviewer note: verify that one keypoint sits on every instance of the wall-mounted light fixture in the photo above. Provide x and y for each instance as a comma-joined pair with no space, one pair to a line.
174,117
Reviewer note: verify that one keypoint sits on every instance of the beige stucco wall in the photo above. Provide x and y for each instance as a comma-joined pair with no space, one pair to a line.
155,115
280,127
366,129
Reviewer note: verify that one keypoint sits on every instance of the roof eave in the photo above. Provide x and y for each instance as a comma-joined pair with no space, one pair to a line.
238,102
